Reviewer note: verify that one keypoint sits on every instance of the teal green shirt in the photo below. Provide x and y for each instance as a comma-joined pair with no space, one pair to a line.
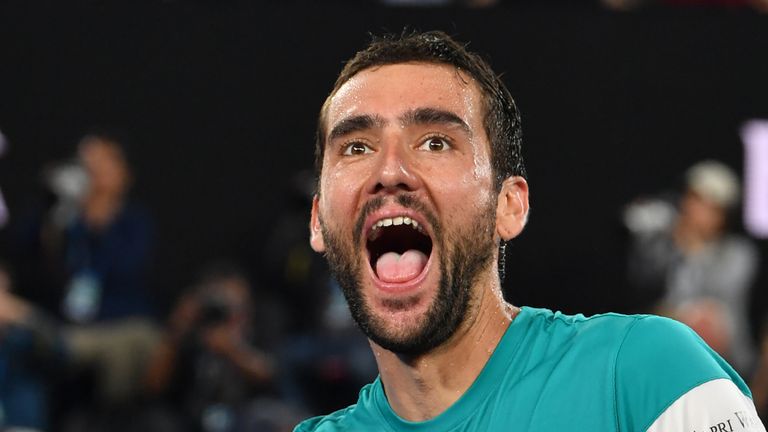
556,372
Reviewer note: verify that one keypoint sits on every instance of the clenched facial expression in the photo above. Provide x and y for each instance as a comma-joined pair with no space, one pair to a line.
406,207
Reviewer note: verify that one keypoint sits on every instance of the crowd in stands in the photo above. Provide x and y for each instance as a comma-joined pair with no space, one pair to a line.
84,348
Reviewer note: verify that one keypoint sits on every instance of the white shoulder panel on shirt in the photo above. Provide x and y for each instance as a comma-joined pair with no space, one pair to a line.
715,406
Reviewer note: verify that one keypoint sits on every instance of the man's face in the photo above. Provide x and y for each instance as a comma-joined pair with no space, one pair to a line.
702,215
106,166
406,210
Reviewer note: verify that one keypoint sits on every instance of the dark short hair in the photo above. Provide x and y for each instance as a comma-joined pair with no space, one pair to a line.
113,136
501,117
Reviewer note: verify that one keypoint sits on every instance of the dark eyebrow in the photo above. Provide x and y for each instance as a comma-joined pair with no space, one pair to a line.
355,124
423,116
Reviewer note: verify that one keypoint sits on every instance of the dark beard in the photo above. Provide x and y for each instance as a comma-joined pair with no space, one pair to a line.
470,253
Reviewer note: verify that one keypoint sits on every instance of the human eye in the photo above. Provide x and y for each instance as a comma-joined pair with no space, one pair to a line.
435,143
356,148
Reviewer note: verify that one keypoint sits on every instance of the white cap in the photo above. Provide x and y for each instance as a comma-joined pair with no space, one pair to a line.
715,182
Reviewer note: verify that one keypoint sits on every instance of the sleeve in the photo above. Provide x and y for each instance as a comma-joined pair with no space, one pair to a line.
715,406
659,363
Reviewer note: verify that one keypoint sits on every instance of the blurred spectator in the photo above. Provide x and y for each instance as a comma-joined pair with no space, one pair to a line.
207,368
85,253
687,262
106,246
324,357
324,369
31,349
296,275
84,257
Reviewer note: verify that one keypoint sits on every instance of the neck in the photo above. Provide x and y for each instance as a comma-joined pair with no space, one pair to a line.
420,388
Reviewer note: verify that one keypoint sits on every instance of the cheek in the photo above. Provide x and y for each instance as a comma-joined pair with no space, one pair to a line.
467,195
339,189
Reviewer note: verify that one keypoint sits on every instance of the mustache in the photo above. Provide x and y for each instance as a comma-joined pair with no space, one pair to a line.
404,199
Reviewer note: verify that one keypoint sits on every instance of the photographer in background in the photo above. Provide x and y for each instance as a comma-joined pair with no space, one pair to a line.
691,265
206,369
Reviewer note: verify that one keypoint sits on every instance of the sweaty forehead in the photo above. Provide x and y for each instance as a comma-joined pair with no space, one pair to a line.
391,90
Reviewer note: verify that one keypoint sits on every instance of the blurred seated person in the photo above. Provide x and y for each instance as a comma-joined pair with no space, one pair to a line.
689,265
324,359
31,349
107,245
101,241
206,367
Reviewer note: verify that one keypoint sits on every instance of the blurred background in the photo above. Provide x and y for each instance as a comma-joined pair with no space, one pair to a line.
156,174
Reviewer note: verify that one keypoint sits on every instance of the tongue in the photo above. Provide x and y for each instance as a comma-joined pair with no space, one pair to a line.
393,267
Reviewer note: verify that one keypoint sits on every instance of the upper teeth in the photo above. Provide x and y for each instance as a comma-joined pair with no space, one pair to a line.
399,220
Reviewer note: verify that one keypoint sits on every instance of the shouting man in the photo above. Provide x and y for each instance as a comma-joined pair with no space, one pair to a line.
421,183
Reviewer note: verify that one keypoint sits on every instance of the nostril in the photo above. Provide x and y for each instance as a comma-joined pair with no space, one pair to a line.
397,187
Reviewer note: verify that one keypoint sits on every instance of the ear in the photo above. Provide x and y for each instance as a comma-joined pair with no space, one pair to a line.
512,208
315,233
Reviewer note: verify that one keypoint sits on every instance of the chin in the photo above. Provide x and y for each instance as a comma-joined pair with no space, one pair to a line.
406,288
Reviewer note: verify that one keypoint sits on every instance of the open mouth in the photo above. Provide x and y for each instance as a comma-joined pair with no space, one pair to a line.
398,249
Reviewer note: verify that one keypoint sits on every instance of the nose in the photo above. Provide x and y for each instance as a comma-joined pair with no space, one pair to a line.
394,171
